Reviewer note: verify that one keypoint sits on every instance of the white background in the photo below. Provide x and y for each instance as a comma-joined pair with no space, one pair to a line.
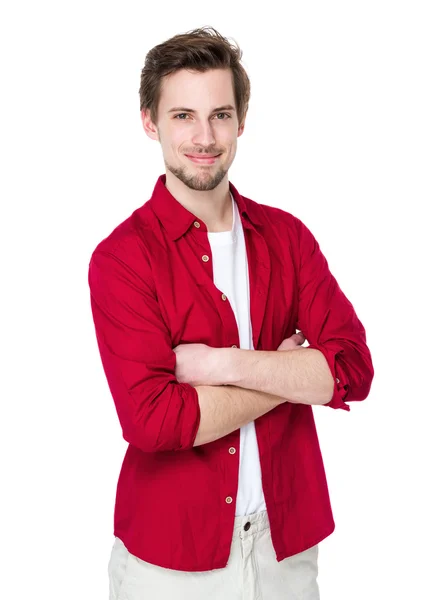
342,132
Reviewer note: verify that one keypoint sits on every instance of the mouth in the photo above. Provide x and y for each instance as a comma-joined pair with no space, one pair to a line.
202,160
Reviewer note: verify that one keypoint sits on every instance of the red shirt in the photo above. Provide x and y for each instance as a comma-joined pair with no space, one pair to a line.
150,291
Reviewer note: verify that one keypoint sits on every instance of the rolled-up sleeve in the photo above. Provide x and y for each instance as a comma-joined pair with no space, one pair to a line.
156,412
330,324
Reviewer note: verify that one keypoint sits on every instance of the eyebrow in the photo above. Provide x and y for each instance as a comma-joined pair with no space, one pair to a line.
192,110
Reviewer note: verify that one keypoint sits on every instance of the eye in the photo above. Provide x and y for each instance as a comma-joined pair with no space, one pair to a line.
183,114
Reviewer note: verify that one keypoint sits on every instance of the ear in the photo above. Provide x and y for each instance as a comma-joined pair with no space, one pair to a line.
149,127
241,127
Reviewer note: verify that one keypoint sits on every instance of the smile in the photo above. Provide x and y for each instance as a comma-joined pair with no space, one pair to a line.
203,161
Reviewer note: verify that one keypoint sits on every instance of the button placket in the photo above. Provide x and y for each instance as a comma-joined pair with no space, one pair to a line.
206,279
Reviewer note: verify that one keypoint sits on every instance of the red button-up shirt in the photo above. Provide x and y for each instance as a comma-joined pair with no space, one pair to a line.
150,291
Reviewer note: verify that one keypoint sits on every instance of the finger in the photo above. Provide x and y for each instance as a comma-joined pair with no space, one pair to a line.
299,337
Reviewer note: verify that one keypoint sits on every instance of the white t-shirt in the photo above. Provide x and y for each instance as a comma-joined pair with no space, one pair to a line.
230,274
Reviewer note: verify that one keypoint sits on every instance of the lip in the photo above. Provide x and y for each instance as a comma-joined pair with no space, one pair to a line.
203,160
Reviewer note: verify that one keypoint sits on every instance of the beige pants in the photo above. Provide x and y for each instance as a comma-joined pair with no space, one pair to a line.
252,572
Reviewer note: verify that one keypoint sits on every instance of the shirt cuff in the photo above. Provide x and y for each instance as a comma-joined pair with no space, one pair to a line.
341,386
191,417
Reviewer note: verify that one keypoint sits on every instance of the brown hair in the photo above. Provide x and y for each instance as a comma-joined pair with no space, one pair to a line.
197,50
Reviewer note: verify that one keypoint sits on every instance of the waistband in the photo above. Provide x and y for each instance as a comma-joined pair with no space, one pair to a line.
257,522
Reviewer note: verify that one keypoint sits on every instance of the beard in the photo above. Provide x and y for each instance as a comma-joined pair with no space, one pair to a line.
202,182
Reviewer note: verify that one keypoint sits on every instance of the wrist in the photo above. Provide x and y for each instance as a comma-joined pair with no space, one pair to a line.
227,362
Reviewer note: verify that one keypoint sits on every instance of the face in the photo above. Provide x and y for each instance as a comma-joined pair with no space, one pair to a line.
199,130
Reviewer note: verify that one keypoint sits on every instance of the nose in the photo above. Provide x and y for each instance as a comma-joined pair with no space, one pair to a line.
204,134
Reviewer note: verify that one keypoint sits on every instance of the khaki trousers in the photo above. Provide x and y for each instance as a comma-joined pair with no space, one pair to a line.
252,572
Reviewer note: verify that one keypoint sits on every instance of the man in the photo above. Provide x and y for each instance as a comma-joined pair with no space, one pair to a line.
222,492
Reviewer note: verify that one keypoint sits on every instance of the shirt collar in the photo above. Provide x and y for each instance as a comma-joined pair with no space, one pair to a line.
176,219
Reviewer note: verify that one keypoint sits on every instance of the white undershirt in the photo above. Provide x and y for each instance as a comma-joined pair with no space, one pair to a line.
230,274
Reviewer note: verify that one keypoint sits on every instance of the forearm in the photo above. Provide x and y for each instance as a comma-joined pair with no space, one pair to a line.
301,375
227,408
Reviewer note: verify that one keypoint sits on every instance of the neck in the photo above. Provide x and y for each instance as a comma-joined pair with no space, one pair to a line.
213,207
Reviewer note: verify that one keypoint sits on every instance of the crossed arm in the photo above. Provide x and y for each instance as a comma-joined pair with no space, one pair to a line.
301,375
236,386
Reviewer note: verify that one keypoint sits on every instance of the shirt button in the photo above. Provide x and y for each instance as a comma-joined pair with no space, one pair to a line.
228,499
247,526
205,258
337,380
224,297
232,450
196,224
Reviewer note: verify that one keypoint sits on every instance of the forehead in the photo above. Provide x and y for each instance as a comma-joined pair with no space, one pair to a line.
192,88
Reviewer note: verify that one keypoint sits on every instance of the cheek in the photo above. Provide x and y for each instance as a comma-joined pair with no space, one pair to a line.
179,143
231,152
